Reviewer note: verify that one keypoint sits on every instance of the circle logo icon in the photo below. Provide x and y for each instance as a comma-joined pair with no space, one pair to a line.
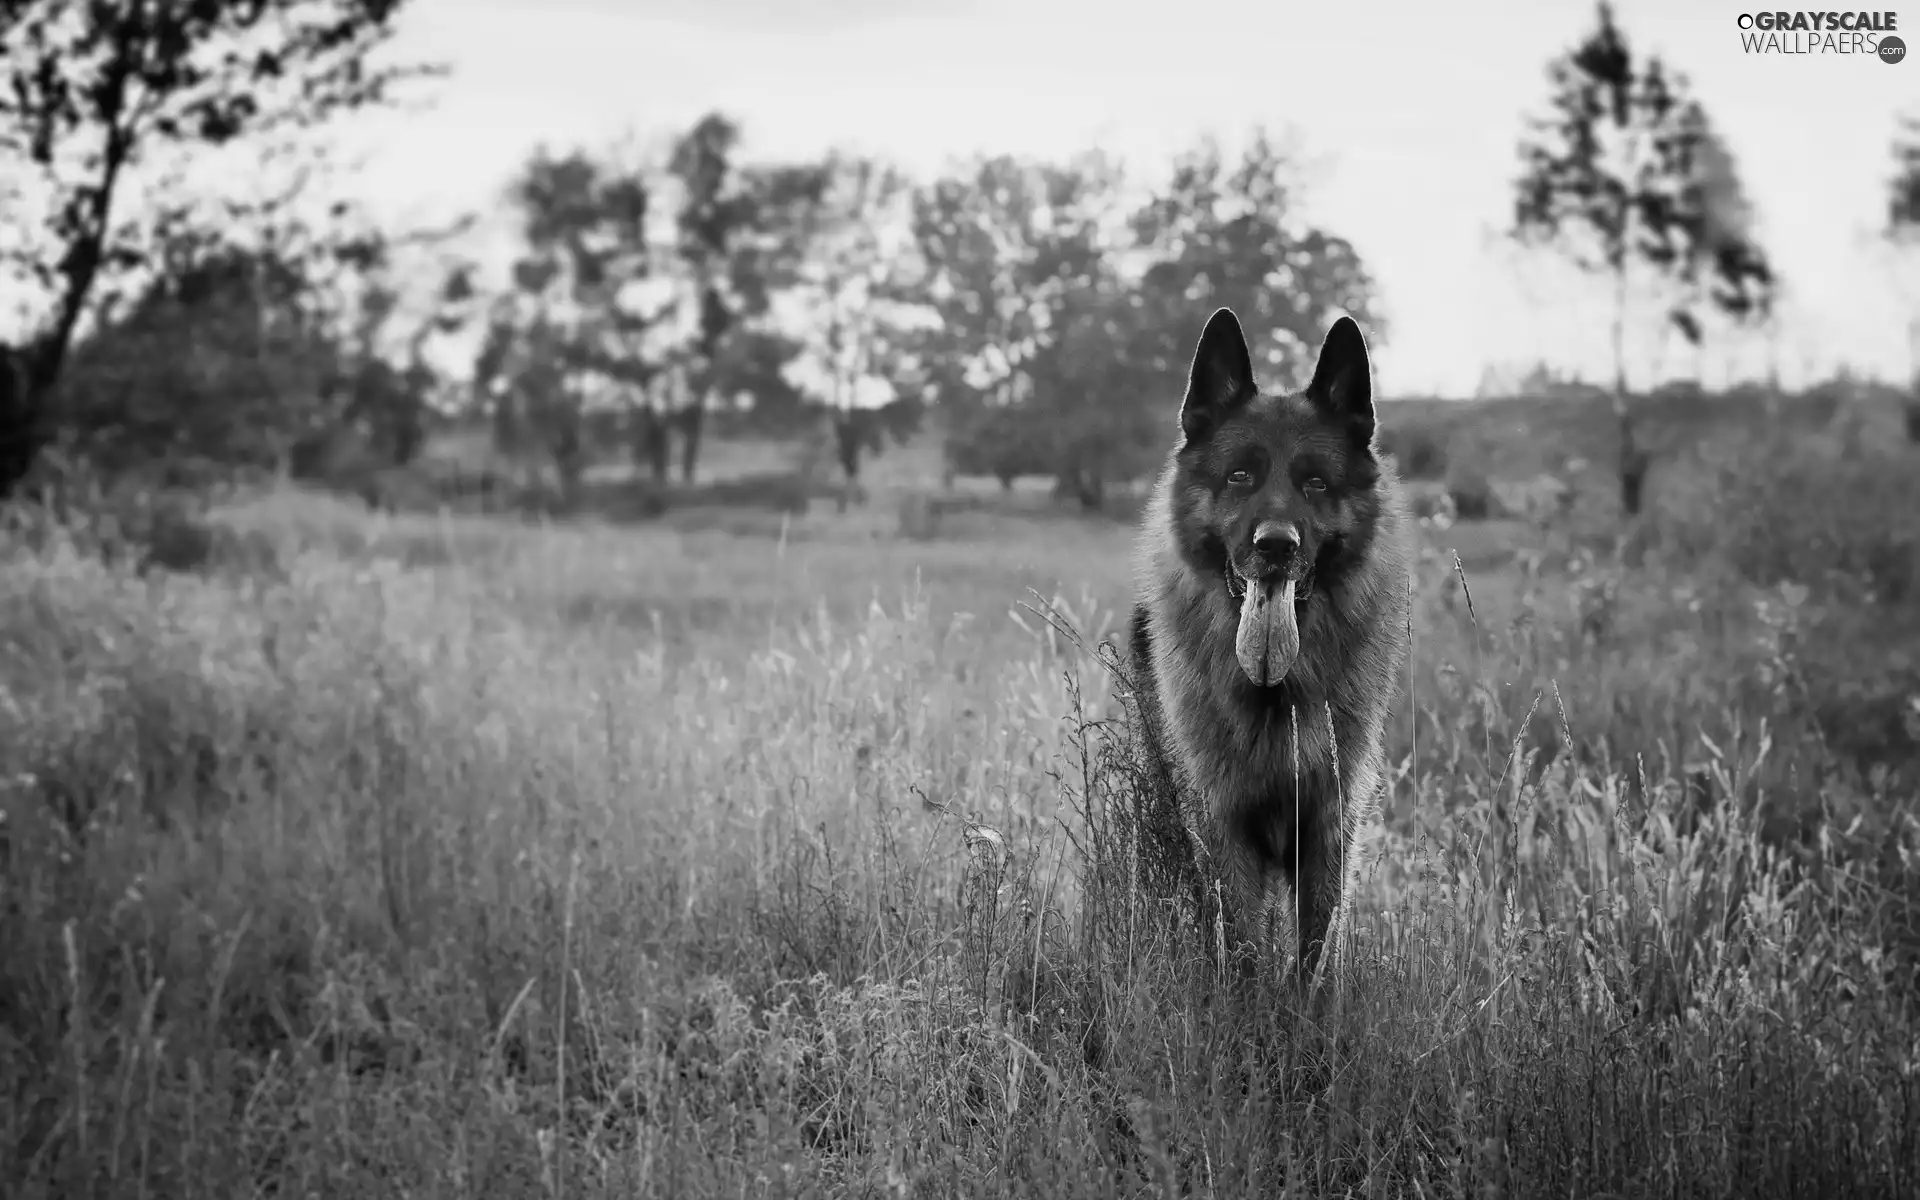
1892,49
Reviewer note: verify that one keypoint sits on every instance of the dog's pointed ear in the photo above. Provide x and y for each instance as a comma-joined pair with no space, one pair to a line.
1221,378
1343,378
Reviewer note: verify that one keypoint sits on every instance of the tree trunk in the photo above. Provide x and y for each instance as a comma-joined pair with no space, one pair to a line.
652,448
570,464
1912,405
506,426
25,429
1633,460
1092,488
409,431
692,418
848,438
1088,481
22,429
1913,355
570,471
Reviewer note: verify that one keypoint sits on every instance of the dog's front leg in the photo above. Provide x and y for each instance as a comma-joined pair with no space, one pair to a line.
1241,886
1317,890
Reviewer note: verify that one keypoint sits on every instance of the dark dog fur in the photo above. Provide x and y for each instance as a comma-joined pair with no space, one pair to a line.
1279,776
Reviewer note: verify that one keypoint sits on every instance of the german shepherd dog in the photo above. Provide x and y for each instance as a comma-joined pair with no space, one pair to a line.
1270,626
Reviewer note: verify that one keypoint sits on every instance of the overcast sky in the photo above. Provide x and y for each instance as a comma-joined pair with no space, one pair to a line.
1410,108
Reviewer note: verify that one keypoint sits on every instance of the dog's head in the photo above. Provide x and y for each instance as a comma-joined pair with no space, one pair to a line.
1275,494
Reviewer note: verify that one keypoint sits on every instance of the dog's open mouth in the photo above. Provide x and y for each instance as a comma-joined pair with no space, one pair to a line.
1268,640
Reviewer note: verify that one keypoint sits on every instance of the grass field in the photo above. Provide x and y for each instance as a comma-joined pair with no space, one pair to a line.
746,856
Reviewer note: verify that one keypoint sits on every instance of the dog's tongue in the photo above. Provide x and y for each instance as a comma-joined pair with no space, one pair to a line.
1269,640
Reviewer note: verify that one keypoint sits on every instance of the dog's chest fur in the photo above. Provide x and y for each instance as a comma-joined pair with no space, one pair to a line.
1243,752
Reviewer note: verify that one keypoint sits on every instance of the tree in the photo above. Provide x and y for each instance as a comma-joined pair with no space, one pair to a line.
388,402
850,300
17,414
752,375
1231,235
1903,230
666,324
971,233
571,328
251,340
715,210
1625,174
1093,413
92,92
1067,321
1008,251
363,290
1094,408
222,359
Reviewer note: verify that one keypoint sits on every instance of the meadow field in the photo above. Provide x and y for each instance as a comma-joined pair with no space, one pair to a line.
741,853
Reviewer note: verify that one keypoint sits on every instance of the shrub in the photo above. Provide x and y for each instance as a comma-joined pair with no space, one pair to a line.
1417,452
1471,493
1785,510
919,517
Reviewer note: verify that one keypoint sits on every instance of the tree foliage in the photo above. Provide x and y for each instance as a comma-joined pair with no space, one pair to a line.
1067,318
222,359
241,351
1222,233
571,326
646,279
92,92
678,315
1627,171
715,210
1011,249
853,296
1043,311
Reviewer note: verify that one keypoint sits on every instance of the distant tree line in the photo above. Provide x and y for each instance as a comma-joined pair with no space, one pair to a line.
1042,312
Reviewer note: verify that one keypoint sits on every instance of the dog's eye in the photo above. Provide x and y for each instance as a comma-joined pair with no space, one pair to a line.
1240,479
1314,484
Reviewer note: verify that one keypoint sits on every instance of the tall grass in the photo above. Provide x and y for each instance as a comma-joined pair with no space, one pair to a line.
386,878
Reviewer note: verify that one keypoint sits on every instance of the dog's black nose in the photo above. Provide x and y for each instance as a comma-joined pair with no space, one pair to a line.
1276,539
